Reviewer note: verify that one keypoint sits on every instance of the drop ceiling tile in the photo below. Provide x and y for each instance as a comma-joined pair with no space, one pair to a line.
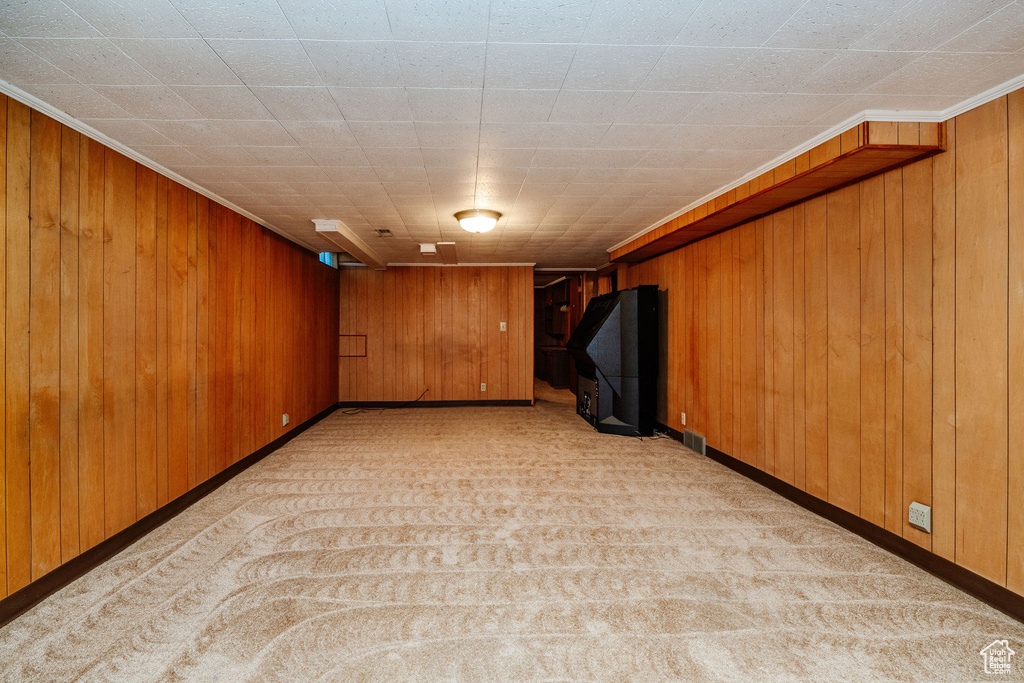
832,23
224,102
79,101
93,61
149,101
589,106
695,69
444,104
452,20
298,174
537,21
384,134
614,158
730,109
517,65
503,175
267,62
435,157
510,135
168,155
260,19
1008,67
224,156
611,67
852,71
42,19
441,134
256,133
191,133
560,158
281,156
128,132
517,105
337,19
735,23
1003,31
774,70
301,103
442,65
179,62
490,158
561,135
796,109
394,156
633,136
351,174
321,133
937,73
133,18
407,188
927,24
659,107
355,64
540,174
655,22
337,156
402,174
372,104
21,66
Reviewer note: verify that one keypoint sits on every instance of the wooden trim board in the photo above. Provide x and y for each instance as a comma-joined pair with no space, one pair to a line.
863,151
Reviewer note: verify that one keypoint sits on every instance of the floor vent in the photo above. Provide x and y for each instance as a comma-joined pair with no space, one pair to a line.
695,442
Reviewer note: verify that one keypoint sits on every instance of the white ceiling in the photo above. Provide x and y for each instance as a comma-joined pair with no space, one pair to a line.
582,121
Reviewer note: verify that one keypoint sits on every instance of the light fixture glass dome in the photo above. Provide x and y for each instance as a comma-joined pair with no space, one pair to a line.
477,220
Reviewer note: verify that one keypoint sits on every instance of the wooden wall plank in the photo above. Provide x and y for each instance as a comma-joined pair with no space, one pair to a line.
872,350
145,342
799,353
3,343
18,399
748,340
92,521
917,342
981,345
713,387
894,512
817,356
844,349
944,349
191,338
782,343
1015,465
203,337
768,341
119,342
177,340
162,385
728,418
69,199
45,346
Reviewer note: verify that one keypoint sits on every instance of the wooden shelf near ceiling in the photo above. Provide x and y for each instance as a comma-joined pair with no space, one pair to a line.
865,150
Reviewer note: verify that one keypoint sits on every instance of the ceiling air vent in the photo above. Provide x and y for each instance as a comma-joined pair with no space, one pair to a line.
383,232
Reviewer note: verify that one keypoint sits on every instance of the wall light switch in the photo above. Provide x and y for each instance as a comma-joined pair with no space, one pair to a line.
285,419
683,419
504,327
483,386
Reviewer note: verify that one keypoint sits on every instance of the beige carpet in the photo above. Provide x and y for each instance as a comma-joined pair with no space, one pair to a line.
500,544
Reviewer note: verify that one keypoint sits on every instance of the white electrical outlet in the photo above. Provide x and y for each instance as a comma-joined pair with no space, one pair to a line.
483,386
921,517
683,419
504,327
285,419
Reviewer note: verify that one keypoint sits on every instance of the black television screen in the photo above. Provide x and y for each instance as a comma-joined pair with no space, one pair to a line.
615,346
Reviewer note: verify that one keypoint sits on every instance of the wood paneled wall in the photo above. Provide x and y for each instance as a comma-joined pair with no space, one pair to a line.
439,329
867,346
150,338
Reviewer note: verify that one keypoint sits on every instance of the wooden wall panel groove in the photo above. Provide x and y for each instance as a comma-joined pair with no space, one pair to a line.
437,329
129,284
1015,466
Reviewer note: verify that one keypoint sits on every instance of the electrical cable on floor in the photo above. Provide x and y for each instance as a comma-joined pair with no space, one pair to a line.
357,411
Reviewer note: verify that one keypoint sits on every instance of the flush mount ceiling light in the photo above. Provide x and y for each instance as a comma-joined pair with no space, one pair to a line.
477,220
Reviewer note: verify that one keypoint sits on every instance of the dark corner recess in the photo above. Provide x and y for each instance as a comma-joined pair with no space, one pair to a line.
19,602
989,592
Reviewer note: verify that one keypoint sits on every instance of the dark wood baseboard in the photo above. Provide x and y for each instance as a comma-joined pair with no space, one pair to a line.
21,601
987,591
374,405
